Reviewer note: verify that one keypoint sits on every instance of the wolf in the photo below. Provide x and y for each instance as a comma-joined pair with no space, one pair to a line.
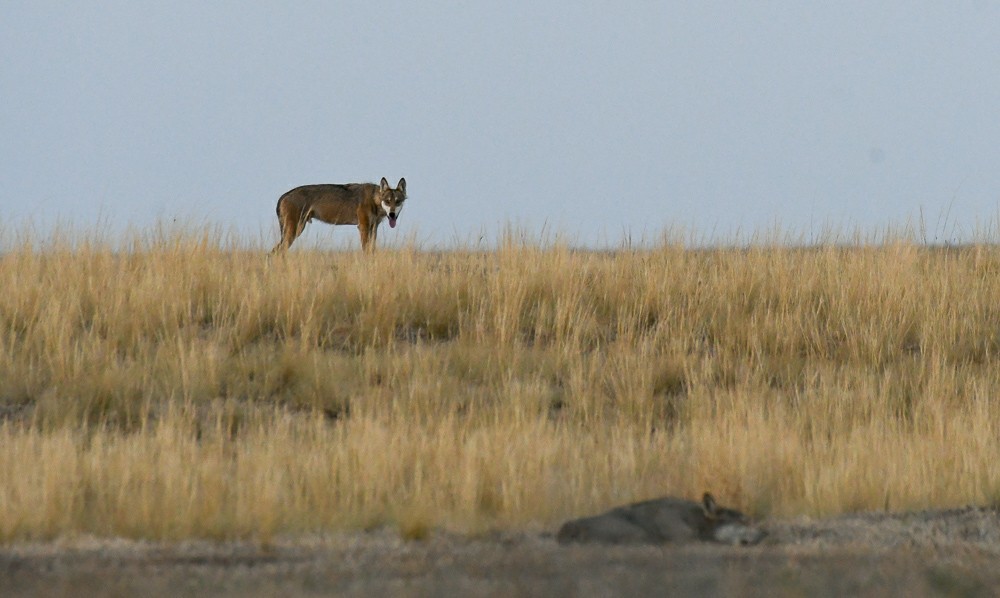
362,204
664,520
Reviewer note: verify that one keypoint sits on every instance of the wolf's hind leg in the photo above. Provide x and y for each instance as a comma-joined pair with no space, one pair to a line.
291,223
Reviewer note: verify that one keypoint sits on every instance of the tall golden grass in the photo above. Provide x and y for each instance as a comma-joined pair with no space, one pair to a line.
178,385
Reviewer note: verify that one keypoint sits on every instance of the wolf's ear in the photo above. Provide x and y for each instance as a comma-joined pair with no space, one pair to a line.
384,185
401,186
708,506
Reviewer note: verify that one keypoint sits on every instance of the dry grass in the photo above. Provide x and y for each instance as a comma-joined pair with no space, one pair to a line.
178,386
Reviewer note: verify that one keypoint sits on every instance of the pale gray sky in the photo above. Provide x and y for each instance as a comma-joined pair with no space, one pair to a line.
595,118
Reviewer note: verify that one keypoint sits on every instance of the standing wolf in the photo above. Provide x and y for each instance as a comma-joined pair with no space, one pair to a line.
363,204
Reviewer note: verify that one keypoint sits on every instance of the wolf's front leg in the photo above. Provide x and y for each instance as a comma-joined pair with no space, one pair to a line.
363,231
372,235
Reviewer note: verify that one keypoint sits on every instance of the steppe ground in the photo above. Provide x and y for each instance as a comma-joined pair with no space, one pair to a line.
212,415
931,553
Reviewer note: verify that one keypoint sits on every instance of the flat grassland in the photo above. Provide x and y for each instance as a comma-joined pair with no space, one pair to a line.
178,386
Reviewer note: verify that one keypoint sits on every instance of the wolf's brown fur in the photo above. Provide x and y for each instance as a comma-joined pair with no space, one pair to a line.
363,204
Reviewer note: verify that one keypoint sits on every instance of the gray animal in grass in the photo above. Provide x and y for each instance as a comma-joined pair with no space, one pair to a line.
664,520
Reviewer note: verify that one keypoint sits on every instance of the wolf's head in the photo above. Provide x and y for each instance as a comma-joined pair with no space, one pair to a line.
729,526
391,200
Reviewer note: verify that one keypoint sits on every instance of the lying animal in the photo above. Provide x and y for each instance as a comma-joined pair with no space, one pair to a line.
664,520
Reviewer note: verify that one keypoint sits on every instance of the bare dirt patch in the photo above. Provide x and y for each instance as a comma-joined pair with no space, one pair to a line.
951,552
